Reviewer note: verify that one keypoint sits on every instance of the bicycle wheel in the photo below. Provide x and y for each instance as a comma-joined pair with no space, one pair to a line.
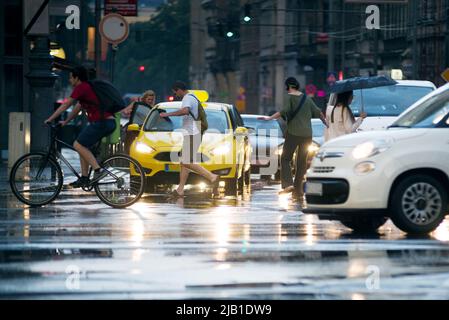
36,179
124,184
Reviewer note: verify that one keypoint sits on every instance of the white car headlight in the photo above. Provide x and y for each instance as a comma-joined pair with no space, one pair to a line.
313,147
221,150
143,148
371,148
365,167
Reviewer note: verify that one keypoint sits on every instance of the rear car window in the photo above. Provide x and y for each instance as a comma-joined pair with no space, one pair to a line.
387,101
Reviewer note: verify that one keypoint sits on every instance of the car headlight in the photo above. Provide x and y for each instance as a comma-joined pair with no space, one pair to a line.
143,148
313,147
371,148
364,167
221,150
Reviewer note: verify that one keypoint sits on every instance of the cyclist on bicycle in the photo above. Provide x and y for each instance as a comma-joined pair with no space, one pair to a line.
101,124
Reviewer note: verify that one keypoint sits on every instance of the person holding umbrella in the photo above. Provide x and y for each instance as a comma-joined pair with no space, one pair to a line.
340,118
346,122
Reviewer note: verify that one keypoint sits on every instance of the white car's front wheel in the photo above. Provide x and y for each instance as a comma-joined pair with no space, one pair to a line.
418,204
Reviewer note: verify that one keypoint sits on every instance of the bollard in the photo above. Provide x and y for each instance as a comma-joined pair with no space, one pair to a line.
19,136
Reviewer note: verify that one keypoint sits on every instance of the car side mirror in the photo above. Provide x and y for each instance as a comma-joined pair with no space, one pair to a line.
251,130
241,131
133,127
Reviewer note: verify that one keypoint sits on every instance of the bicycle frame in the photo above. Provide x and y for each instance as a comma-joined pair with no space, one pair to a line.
53,151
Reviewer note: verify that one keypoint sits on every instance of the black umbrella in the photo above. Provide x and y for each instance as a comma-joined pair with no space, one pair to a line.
361,83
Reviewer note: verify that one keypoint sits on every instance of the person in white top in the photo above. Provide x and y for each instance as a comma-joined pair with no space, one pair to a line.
192,139
340,117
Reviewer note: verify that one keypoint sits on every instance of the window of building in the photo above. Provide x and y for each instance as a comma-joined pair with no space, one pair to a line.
13,39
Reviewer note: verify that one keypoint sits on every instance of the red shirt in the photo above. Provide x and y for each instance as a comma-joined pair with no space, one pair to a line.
89,102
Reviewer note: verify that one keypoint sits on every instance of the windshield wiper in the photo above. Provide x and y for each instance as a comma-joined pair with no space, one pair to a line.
398,126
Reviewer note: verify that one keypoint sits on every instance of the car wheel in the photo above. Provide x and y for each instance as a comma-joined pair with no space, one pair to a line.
231,187
150,187
365,224
248,177
418,204
241,181
277,176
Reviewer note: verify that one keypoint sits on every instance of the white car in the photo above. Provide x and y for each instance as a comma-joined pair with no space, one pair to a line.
401,173
384,104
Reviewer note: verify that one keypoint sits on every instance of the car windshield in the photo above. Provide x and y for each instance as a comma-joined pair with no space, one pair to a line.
317,129
216,119
428,114
387,101
263,128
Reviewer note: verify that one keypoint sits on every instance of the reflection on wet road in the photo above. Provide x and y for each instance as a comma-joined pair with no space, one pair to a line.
259,246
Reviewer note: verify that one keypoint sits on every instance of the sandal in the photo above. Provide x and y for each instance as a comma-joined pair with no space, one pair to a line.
175,194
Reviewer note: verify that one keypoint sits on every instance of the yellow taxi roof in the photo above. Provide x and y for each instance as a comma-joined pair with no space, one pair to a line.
206,105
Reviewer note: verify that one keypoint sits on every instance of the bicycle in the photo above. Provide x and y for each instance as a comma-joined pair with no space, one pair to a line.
36,178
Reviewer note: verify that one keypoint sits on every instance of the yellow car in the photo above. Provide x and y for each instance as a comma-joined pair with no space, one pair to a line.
225,149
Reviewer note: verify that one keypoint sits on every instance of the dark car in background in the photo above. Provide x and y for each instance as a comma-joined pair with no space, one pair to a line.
267,140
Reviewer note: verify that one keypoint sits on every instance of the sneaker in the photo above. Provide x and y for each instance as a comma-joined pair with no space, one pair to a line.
80,183
98,175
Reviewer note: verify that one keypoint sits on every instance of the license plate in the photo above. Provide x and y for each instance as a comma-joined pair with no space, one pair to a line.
171,168
314,188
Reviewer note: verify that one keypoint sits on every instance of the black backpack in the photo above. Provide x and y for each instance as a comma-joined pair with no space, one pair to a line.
110,99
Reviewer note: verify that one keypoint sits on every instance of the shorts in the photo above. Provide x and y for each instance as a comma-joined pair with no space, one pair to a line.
96,131
190,146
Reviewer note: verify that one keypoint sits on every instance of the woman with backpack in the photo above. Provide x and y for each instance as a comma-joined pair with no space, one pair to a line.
340,118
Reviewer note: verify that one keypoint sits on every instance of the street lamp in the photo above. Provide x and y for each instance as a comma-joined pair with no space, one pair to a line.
247,14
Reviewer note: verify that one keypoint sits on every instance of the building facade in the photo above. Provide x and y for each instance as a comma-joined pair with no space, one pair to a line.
308,39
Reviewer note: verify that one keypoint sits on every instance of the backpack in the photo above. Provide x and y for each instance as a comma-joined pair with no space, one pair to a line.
110,99
201,116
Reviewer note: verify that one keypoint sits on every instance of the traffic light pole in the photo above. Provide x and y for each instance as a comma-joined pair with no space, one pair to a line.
331,52
97,38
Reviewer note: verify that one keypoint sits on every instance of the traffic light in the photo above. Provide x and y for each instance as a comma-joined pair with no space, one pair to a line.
247,13
171,98
141,68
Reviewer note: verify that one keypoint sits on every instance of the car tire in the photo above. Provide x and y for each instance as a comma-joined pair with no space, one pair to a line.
418,204
248,177
366,224
150,187
231,187
277,176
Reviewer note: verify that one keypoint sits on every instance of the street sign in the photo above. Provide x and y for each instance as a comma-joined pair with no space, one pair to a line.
114,28
126,8
445,75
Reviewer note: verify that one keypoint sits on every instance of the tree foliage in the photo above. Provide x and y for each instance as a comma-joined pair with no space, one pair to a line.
162,46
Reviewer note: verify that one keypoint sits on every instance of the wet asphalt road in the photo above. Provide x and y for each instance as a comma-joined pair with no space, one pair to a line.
256,246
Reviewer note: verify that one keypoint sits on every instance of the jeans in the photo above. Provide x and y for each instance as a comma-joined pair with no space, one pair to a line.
292,143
